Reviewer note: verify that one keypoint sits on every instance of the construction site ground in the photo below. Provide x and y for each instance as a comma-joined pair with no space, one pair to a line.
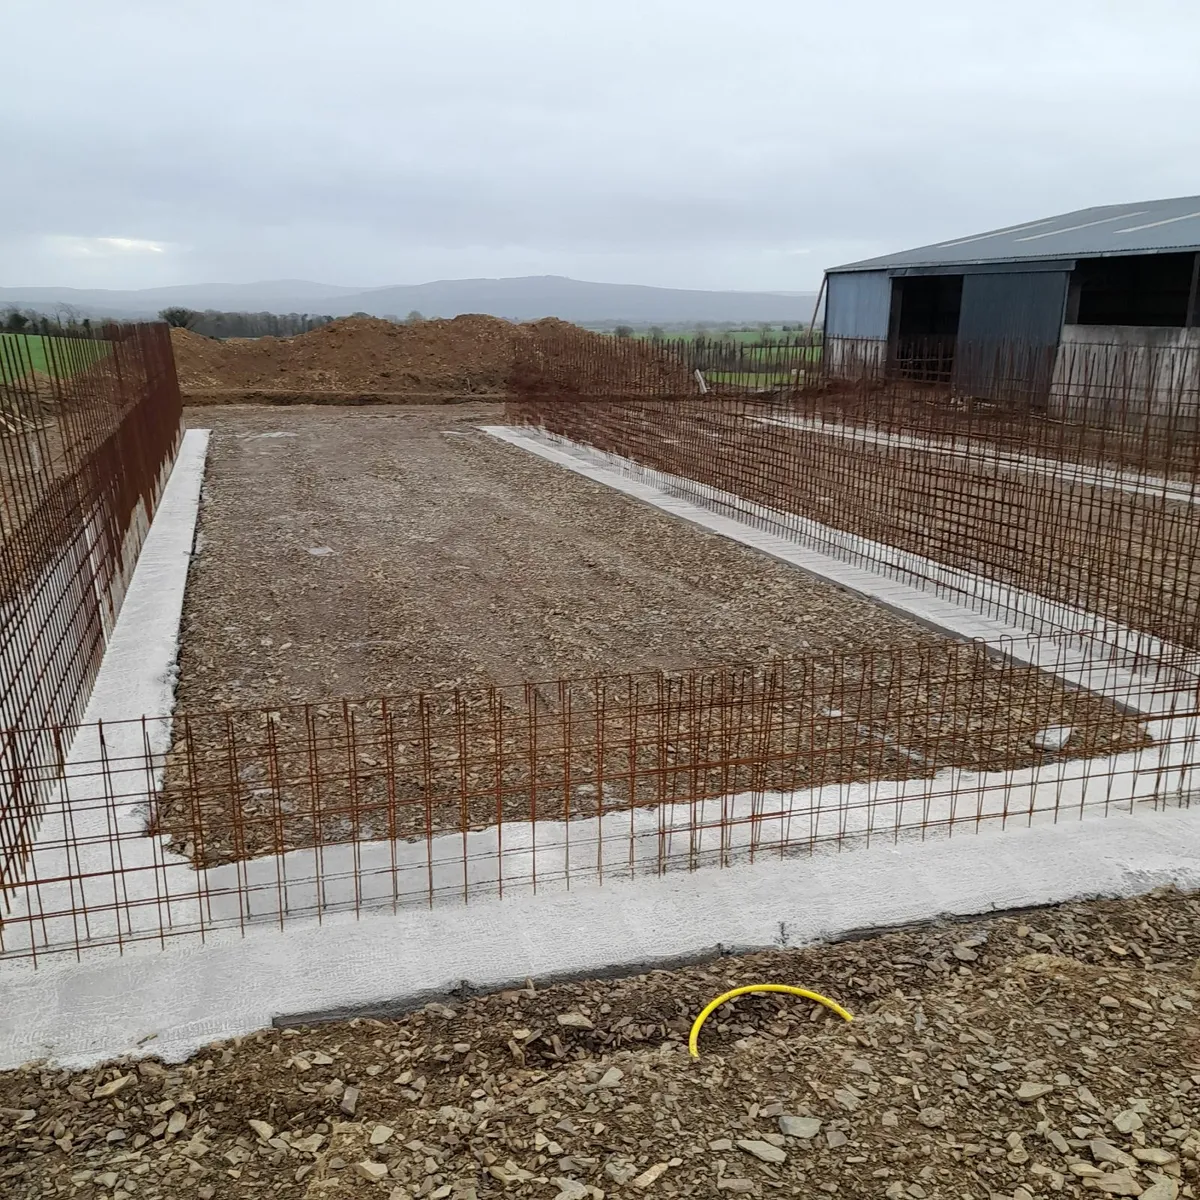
349,360
376,551
385,551
363,360
1094,527
1050,1053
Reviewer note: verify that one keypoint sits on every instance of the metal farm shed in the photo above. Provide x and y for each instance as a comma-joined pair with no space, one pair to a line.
1125,274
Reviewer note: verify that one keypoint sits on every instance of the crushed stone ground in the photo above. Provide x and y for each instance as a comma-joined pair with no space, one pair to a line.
1051,1053
393,551
375,551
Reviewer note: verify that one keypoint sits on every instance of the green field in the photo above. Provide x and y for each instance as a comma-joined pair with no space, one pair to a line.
749,337
779,355
722,356
47,354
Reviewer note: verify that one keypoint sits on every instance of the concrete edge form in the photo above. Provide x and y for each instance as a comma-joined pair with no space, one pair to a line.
172,1002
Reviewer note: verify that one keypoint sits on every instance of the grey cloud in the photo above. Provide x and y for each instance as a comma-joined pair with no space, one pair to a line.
662,140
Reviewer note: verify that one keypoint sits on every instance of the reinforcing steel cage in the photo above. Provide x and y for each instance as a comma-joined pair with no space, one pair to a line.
156,829
1058,495
1084,497
89,428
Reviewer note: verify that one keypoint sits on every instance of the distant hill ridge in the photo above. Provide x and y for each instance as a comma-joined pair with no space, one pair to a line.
524,298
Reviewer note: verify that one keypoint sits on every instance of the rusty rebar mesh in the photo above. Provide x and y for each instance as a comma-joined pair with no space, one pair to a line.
1083,488
240,785
1087,402
1147,378
281,815
87,428
1075,478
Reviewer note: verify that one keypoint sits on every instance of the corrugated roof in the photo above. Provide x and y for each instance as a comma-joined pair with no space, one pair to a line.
1114,229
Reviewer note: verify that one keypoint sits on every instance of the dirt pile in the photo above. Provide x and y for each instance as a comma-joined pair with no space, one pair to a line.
555,356
360,354
365,358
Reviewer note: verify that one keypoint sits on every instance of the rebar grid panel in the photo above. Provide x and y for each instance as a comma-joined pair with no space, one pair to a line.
1089,401
88,431
1085,494
223,821
210,822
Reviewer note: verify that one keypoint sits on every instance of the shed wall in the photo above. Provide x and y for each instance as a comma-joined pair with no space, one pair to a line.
1009,326
858,305
1128,375
1025,306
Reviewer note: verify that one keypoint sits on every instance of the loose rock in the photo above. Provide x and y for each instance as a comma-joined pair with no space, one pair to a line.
1127,1121
1162,1189
799,1127
373,1172
113,1087
763,1150
574,1020
571,1189
1154,1155
1119,1183
1103,1151
647,1178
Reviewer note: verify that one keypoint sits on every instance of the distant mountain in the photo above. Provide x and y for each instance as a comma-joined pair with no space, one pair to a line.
532,296
520,299
277,294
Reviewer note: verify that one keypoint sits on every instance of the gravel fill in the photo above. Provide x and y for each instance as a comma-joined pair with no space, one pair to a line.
1047,1053
370,552
387,552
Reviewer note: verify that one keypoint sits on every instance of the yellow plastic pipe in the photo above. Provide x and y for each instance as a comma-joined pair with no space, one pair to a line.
694,1036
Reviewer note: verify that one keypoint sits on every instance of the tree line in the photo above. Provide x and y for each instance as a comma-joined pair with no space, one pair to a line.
214,324
211,323
27,320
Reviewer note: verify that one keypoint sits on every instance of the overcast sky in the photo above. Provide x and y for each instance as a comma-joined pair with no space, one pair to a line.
686,143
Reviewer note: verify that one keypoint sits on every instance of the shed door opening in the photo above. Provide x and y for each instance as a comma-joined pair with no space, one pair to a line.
1141,289
926,312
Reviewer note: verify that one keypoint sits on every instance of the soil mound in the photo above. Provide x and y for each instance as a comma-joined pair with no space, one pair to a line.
359,354
365,356
555,356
